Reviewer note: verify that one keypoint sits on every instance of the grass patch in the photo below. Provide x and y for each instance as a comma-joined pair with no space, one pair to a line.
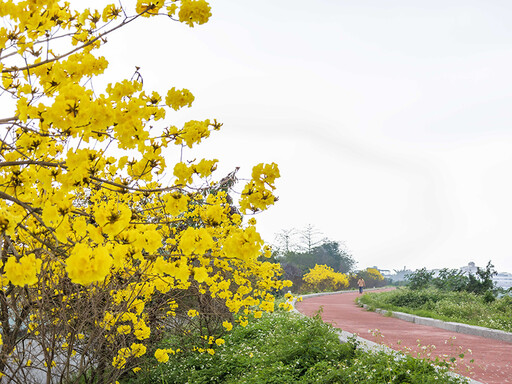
460,307
286,348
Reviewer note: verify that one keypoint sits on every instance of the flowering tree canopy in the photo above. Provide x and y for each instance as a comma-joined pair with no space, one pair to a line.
322,278
104,244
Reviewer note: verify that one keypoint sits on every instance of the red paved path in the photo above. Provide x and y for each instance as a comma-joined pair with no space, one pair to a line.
492,358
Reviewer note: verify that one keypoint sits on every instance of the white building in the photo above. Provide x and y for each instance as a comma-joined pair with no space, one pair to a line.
471,268
501,280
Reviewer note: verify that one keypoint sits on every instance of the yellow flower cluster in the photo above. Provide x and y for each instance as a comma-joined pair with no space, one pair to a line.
192,132
323,278
194,11
227,325
244,244
24,271
135,350
177,99
162,355
87,265
374,274
258,193
190,12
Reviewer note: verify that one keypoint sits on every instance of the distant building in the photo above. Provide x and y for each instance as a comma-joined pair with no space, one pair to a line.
396,275
471,268
384,272
501,280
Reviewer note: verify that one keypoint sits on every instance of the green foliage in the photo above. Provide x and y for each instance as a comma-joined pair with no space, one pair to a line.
455,280
276,349
282,348
488,297
329,253
420,279
416,299
462,307
482,282
451,280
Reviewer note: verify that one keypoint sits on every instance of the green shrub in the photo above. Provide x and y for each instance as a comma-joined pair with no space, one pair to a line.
488,297
284,348
414,298
420,279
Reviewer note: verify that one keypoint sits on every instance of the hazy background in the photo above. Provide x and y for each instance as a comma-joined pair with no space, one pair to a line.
390,120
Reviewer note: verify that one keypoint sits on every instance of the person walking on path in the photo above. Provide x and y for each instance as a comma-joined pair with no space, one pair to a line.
361,284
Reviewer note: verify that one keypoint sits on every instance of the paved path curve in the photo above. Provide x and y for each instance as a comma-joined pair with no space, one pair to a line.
492,358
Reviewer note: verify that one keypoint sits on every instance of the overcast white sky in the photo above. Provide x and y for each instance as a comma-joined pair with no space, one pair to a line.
391,121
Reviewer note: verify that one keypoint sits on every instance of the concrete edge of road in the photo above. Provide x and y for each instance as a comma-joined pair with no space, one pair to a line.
368,345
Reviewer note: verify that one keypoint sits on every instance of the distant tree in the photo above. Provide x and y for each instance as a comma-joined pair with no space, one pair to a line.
302,260
420,279
451,280
482,282
309,238
285,241
300,251
373,278
331,253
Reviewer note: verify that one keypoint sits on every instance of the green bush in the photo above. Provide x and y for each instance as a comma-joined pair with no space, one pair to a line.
414,298
420,279
450,280
284,348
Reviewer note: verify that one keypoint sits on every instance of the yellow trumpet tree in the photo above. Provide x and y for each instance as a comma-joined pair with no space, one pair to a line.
104,245
322,278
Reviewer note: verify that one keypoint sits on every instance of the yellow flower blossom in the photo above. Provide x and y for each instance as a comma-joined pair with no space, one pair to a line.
87,265
138,349
226,324
124,329
177,99
24,271
183,173
161,355
192,313
194,11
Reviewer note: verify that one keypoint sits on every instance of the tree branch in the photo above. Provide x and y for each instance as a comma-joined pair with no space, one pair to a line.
31,162
56,58
7,120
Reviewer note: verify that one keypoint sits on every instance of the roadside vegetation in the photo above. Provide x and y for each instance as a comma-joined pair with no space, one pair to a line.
287,348
449,296
314,263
